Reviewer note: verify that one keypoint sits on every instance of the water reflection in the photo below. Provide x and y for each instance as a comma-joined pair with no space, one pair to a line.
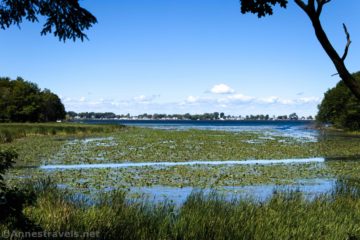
309,187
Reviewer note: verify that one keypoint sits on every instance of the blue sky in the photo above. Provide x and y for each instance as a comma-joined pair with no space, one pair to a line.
186,56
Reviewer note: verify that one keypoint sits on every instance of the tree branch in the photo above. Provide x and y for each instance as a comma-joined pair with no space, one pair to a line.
339,64
321,4
347,44
311,3
301,4
309,8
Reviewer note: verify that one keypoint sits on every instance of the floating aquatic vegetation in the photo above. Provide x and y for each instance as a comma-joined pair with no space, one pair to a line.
188,163
137,145
149,145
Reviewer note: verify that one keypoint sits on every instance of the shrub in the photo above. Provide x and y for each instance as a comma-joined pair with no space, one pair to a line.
340,107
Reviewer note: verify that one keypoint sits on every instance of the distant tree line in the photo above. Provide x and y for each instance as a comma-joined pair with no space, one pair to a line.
23,101
340,107
186,116
88,115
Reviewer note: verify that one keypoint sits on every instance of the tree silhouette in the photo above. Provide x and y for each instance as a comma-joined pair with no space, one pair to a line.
340,108
66,19
23,101
313,9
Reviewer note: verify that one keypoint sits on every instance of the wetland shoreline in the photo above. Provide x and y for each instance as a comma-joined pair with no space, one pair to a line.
144,199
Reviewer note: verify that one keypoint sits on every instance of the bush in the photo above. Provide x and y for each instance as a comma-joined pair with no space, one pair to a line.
340,107
6,136
13,200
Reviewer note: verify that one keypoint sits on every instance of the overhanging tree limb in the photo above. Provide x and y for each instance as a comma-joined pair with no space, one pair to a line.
66,19
313,10
338,62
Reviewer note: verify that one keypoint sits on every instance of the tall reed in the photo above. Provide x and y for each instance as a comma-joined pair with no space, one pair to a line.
286,215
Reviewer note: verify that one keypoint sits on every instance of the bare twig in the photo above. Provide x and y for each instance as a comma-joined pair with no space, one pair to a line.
347,44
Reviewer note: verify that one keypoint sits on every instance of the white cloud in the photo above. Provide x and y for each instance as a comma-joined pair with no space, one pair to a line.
67,99
309,100
275,100
240,97
235,103
271,99
192,99
145,99
222,89
296,101
286,101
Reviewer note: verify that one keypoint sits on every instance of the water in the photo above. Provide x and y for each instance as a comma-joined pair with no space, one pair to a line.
298,129
310,189
188,163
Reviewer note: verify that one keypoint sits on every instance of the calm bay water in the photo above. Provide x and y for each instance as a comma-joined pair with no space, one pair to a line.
310,188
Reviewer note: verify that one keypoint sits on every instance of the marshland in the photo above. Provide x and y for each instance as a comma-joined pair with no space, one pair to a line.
161,183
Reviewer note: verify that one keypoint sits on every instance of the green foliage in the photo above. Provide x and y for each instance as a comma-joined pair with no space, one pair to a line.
340,107
52,108
23,101
6,162
66,19
12,200
261,7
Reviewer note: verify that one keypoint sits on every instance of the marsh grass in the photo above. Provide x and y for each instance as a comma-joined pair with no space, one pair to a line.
12,131
285,215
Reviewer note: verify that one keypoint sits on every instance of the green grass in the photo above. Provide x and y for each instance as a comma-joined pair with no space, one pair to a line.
11,131
286,215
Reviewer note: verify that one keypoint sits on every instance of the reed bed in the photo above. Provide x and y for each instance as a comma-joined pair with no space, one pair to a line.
285,215
12,131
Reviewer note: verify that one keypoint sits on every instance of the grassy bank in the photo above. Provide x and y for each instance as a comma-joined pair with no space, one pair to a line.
285,215
12,131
